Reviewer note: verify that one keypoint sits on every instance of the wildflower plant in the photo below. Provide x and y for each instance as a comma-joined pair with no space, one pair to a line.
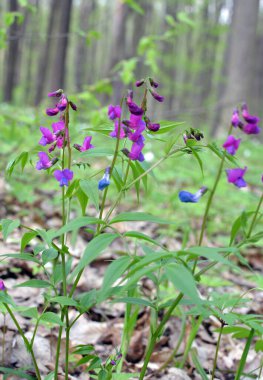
131,129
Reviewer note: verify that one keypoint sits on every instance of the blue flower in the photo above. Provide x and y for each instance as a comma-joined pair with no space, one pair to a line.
187,197
105,181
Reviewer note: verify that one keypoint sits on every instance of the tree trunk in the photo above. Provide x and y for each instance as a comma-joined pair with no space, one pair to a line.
58,72
12,55
45,54
242,55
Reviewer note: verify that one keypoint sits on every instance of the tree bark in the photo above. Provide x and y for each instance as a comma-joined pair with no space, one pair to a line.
12,55
242,55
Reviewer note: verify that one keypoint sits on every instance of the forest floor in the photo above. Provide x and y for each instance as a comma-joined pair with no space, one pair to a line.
102,325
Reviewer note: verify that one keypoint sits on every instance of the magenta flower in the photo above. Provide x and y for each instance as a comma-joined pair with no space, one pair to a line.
114,112
135,109
52,111
58,126
187,197
2,285
231,145
63,176
44,161
235,121
136,150
157,96
55,94
62,104
138,131
251,129
235,176
85,146
47,138
249,118
114,133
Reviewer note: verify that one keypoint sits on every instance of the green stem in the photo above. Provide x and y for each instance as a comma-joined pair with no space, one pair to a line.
175,350
3,339
210,199
194,331
217,350
255,216
244,355
26,341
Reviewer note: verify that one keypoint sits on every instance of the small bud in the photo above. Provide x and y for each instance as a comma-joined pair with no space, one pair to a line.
157,96
153,83
73,105
105,181
126,152
55,94
154,127
139,83
129,96
77,146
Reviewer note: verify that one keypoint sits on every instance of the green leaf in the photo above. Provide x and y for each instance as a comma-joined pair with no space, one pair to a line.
213,254
93,250
83,200
196,155
8,226
135,6
141,236
28,312
51,317
75,225
50,376
27,237
125,376
138,217
22,256
97,152
5,298
167,126
259,346
64,301
134,301
198,365
17,373
49,255
34,284
115,270
90,188
183,280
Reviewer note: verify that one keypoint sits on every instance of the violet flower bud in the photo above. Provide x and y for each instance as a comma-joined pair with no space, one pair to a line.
62,104
157,96
113,362
2,285
73,106
235,118
153,83
52,111
139,83
55,94
154,127
105,181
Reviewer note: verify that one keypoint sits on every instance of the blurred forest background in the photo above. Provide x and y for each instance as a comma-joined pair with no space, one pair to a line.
207,54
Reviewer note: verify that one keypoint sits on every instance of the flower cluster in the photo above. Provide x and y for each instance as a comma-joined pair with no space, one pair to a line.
57,138
138,122
249,125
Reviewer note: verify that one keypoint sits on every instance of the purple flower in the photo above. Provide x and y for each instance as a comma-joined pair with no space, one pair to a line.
114,112
44,161
63,176
113,362
135,109
2,285
55,94
139,83
249,118
136,150
231,145
235,176
138,131
114,133
86,144
47,138
187,197
62,104
105,181
52,111
58,126
235,121
251,129
154,127
157,96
